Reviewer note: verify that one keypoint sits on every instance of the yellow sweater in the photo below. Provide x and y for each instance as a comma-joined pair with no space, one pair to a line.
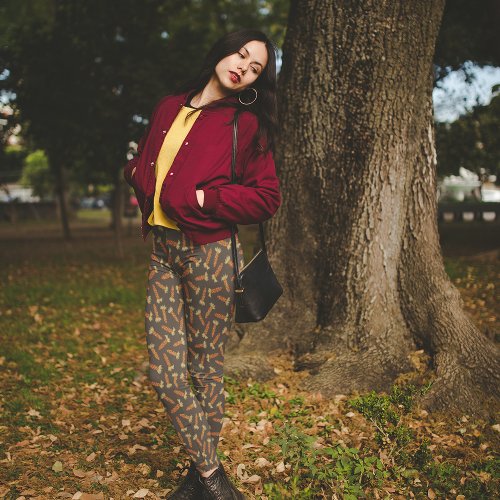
171,144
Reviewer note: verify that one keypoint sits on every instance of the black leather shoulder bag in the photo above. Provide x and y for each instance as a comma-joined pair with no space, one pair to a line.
256,287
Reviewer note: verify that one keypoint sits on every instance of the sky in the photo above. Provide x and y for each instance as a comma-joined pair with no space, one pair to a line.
457,96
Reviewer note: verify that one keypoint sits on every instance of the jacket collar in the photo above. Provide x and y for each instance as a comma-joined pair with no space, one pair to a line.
181,99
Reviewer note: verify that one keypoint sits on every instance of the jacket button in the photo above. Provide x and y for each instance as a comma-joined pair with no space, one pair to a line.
186,143
171,173
164,131
152,163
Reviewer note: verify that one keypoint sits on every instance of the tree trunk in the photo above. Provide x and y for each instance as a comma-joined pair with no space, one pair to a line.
62,197
355,243
116,215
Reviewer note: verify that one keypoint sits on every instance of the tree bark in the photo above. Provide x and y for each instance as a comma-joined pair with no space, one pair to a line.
355,243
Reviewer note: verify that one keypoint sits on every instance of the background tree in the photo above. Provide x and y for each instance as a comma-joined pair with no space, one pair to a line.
37,175
472,141
11,156
355,241
468,39
62,67
468,33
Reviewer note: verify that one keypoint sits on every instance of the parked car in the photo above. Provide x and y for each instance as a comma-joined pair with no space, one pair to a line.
96,202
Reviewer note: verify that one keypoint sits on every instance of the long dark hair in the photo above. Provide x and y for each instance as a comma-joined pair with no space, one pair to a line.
265,106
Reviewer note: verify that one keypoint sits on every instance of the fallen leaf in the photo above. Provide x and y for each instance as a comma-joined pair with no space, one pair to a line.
57,467
79,473
249,445
262,462
144,469
34,413
252,479
114,476
240,472
134,448
28,492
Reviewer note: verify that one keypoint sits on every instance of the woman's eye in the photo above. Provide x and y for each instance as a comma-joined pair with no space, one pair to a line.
254,70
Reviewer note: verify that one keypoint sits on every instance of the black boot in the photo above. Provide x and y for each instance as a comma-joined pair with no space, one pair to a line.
190,488
218,486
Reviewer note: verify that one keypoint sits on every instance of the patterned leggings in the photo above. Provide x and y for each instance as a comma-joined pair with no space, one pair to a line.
188,315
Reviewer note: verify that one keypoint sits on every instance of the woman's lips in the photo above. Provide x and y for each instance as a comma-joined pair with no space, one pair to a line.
234,77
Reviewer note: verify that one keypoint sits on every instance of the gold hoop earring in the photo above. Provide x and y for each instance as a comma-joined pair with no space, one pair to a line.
248,103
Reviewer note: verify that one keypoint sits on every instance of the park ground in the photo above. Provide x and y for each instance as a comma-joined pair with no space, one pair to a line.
79,419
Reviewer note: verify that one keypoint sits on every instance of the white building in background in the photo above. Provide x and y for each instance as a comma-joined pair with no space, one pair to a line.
468,186
490,193
11,192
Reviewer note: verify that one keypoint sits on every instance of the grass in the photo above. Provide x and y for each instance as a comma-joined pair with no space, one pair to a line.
73,373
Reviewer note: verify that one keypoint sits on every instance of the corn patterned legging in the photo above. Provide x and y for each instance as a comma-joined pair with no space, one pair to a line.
188,315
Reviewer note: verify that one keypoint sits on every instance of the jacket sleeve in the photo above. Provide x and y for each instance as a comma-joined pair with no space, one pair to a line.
258,196
129,167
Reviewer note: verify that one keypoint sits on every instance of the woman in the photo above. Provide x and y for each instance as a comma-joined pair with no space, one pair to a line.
182,180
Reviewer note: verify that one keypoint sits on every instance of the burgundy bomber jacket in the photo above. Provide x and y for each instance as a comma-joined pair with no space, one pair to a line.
204,162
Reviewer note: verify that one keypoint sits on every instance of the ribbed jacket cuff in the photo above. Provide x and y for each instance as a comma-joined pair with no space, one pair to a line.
210,200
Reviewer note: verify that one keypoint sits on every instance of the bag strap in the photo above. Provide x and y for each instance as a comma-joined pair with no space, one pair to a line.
238,287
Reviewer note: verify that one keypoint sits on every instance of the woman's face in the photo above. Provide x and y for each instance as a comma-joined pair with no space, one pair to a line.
238,71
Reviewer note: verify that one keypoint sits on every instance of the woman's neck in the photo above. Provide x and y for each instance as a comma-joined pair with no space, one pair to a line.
211,92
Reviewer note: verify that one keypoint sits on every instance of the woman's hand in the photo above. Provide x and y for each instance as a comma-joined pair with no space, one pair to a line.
200,196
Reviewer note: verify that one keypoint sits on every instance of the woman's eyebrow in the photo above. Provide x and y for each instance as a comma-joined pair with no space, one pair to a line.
256,62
